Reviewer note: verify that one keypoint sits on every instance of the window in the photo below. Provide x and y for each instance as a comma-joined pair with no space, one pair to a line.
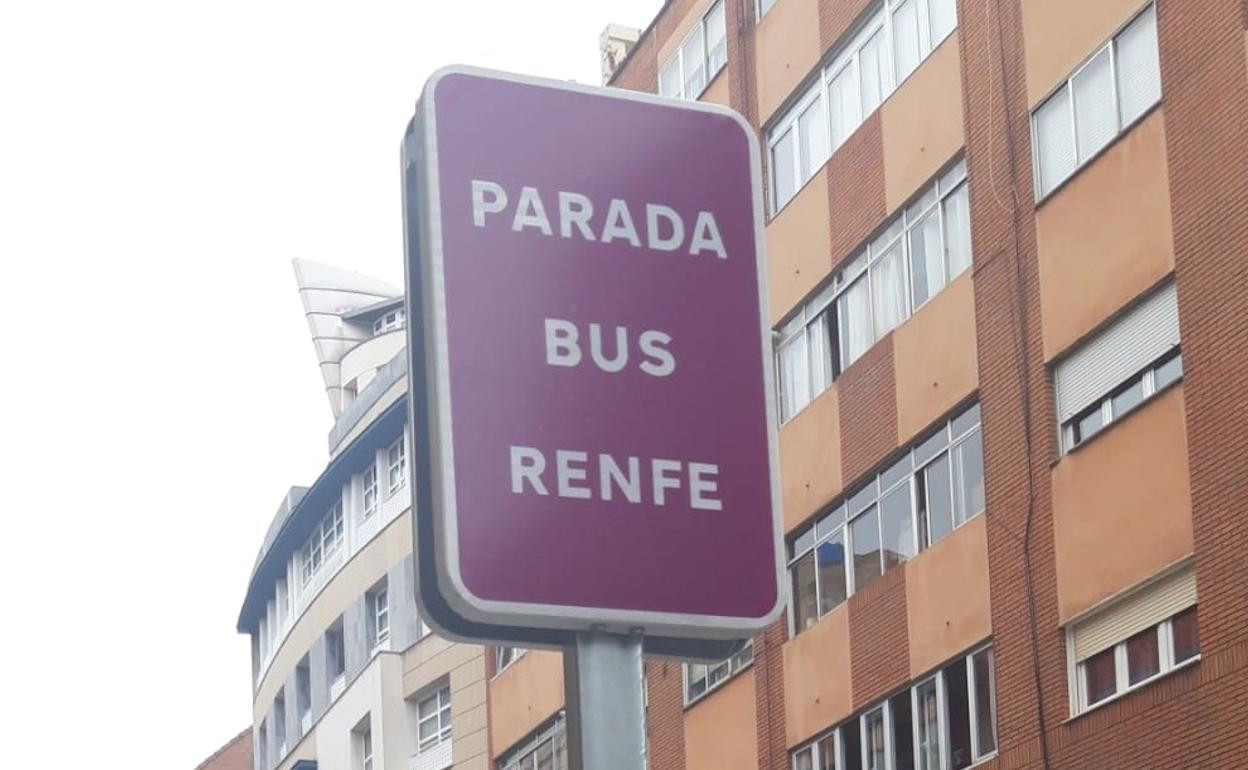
323,543
1133,359
504,656
279,723
362,738
262,748
303,694
945,720
920,252
370,490
701,678
377,602
396,466
388,322
335,652
700,57
764,6
1145,635
1117,85
547,749
891,41
935,487
433,719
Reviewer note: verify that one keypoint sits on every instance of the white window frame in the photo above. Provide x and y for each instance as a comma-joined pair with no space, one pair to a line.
366,748
441,700
1147,379
369,497
1066,88
677,59
838,519
725,670
1167,665
389,322
396,466
505,655
847,52
323,543
379,601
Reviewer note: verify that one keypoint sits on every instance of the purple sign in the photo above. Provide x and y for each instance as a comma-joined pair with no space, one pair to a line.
597,359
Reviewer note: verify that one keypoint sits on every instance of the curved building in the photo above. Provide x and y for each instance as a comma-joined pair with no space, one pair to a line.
344,673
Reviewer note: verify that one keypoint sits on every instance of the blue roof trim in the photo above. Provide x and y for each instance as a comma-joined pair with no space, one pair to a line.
390,373
313,505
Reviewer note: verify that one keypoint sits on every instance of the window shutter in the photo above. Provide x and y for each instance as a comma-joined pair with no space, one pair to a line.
1139,337
1132,614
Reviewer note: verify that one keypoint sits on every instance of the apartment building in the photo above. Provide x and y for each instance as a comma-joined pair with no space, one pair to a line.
234,755
345,674
1006,272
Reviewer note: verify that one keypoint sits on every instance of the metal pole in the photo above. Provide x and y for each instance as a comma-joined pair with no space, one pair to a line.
605,702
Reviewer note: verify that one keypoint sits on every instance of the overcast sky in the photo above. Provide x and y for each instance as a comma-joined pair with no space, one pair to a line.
161,162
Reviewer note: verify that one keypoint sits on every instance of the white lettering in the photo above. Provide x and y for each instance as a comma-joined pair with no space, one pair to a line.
706,236
664,362
630,485
701,483
659,469
566,474
530,212
619,224
561,347
480,206
654,212
527,464
575,209
621,349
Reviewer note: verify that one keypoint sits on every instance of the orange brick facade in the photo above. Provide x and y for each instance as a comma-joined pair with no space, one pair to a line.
1194,717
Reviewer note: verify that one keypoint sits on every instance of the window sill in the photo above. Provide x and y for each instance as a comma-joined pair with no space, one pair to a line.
1133,689
1094,157
718,686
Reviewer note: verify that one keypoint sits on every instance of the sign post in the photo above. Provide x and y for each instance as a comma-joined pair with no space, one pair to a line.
590,366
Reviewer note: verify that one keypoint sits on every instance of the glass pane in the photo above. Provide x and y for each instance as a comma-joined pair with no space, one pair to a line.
827,753
813,151
985,716
854,308
873,731
1100,676
820,352
1143,656
969,478
851,746
897,472
928,726
1167,372
692,55
1055,142
958,231
871,72
902,731
716,40
866,540
1096,115
831,557
888,291
830,521
784,175
1127,398
936,499
1089,424
804,759
669,78
805,596
862,498
843,105
927,267
804,542
944,18
546,756
959,726
906,38
965,421
1139,73
697,679
1186,636
931,446
764,6
794,378
898,527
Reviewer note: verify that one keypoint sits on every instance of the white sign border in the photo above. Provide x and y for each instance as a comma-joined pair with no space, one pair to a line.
437,360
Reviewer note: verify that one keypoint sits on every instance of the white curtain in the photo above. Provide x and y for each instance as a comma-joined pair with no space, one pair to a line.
927,268
906,38
888,291
958,231
871,71
843,105
854,308
794,377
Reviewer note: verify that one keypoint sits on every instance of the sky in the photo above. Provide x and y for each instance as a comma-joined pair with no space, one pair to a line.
161,163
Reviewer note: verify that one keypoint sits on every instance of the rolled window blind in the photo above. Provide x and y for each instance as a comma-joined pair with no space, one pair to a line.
1135,612
1140,336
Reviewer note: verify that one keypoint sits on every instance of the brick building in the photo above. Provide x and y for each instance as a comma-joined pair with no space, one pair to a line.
1006,278
235,755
